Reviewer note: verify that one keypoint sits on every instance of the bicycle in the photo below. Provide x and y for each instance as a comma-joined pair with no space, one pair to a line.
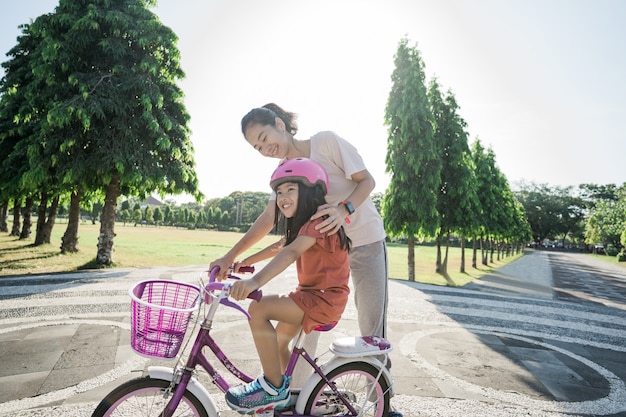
353,382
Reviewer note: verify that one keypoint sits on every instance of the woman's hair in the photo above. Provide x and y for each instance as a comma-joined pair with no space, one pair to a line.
309,199
267,115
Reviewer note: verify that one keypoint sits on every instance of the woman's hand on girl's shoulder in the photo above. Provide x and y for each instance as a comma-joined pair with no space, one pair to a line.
333,221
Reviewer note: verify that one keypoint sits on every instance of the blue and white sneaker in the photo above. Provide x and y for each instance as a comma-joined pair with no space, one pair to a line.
258,396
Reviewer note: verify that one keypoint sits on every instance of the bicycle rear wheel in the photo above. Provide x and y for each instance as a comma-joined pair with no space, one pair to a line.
143,397
357,382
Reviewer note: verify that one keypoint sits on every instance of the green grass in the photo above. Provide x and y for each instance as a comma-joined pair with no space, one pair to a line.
146,246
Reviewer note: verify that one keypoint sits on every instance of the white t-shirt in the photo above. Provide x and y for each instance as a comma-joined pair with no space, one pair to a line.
341,160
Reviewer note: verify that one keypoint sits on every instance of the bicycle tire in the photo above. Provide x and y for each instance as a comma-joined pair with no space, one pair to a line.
354,380
142,397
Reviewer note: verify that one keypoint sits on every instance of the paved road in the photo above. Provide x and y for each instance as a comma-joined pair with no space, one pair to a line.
544,336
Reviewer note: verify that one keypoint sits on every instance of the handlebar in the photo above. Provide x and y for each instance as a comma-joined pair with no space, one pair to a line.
218,286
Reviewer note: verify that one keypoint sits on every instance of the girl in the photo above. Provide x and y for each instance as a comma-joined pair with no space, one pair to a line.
322,264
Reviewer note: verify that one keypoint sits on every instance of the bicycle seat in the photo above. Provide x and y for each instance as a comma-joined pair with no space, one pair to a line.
325,327
360,346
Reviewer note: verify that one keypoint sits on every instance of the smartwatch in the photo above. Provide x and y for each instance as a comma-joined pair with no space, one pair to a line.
350,209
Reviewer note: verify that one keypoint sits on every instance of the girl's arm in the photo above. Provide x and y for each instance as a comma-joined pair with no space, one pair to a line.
260,228
280,262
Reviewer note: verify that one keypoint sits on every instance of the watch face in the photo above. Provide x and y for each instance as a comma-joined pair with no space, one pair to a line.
349,206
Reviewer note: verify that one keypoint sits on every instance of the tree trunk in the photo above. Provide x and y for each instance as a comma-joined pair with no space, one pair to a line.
69,241
107,223
46,233
462,269
474,252
411,257
27,225
15,230
444,262
4,210
41,219
438,269
483,251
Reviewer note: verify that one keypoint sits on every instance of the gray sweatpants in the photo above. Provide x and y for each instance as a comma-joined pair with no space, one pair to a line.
368,269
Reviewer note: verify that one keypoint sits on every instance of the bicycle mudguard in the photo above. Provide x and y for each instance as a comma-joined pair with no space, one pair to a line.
333,363
167,374
352,347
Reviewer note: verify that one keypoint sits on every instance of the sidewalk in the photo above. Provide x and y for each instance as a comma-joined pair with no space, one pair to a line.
501,346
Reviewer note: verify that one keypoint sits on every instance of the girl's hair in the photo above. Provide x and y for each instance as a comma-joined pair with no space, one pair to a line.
267,115
309,199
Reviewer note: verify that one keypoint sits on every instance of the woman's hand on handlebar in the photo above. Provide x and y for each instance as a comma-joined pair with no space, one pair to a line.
240,290
224,264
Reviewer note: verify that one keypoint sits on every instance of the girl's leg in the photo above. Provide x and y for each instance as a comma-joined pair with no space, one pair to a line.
272,307
368,268
285,332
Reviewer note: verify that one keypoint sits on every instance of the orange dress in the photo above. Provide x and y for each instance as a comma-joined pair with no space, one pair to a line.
323,274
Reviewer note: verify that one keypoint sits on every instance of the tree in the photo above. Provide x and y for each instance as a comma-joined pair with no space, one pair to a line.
592,193
457,200
410,201
117,122
148,215
158,216
553,212
14,131
25,101
168,216
606,223
137,215
488,193
125,215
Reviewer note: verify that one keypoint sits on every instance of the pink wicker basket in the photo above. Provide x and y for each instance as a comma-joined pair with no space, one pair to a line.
160,313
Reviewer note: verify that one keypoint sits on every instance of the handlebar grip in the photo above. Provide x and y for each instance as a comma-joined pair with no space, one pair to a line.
256,295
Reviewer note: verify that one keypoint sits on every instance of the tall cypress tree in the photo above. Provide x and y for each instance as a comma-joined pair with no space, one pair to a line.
413,160
457,200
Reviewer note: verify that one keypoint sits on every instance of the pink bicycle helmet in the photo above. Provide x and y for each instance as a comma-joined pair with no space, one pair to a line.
303,170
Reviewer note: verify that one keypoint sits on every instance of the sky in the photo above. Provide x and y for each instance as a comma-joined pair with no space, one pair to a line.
541,82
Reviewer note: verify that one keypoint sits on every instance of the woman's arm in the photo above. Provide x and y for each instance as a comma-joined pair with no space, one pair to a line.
280,262
268,252
260,228
337,214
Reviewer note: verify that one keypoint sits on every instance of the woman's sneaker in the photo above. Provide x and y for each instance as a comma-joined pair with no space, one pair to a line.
258,396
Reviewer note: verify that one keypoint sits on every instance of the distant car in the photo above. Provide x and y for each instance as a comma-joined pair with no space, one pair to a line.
599,248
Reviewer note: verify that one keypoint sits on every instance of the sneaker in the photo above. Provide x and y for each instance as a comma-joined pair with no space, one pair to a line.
258,396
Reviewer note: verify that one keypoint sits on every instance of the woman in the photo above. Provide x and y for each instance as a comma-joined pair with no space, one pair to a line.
321,259
271,131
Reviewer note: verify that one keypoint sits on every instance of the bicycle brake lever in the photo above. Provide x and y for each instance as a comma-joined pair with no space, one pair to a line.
236,306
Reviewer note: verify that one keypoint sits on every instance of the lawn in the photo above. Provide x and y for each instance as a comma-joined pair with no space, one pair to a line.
147,246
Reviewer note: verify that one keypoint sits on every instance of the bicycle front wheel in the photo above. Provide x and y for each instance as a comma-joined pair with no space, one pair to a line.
144,397
358,383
